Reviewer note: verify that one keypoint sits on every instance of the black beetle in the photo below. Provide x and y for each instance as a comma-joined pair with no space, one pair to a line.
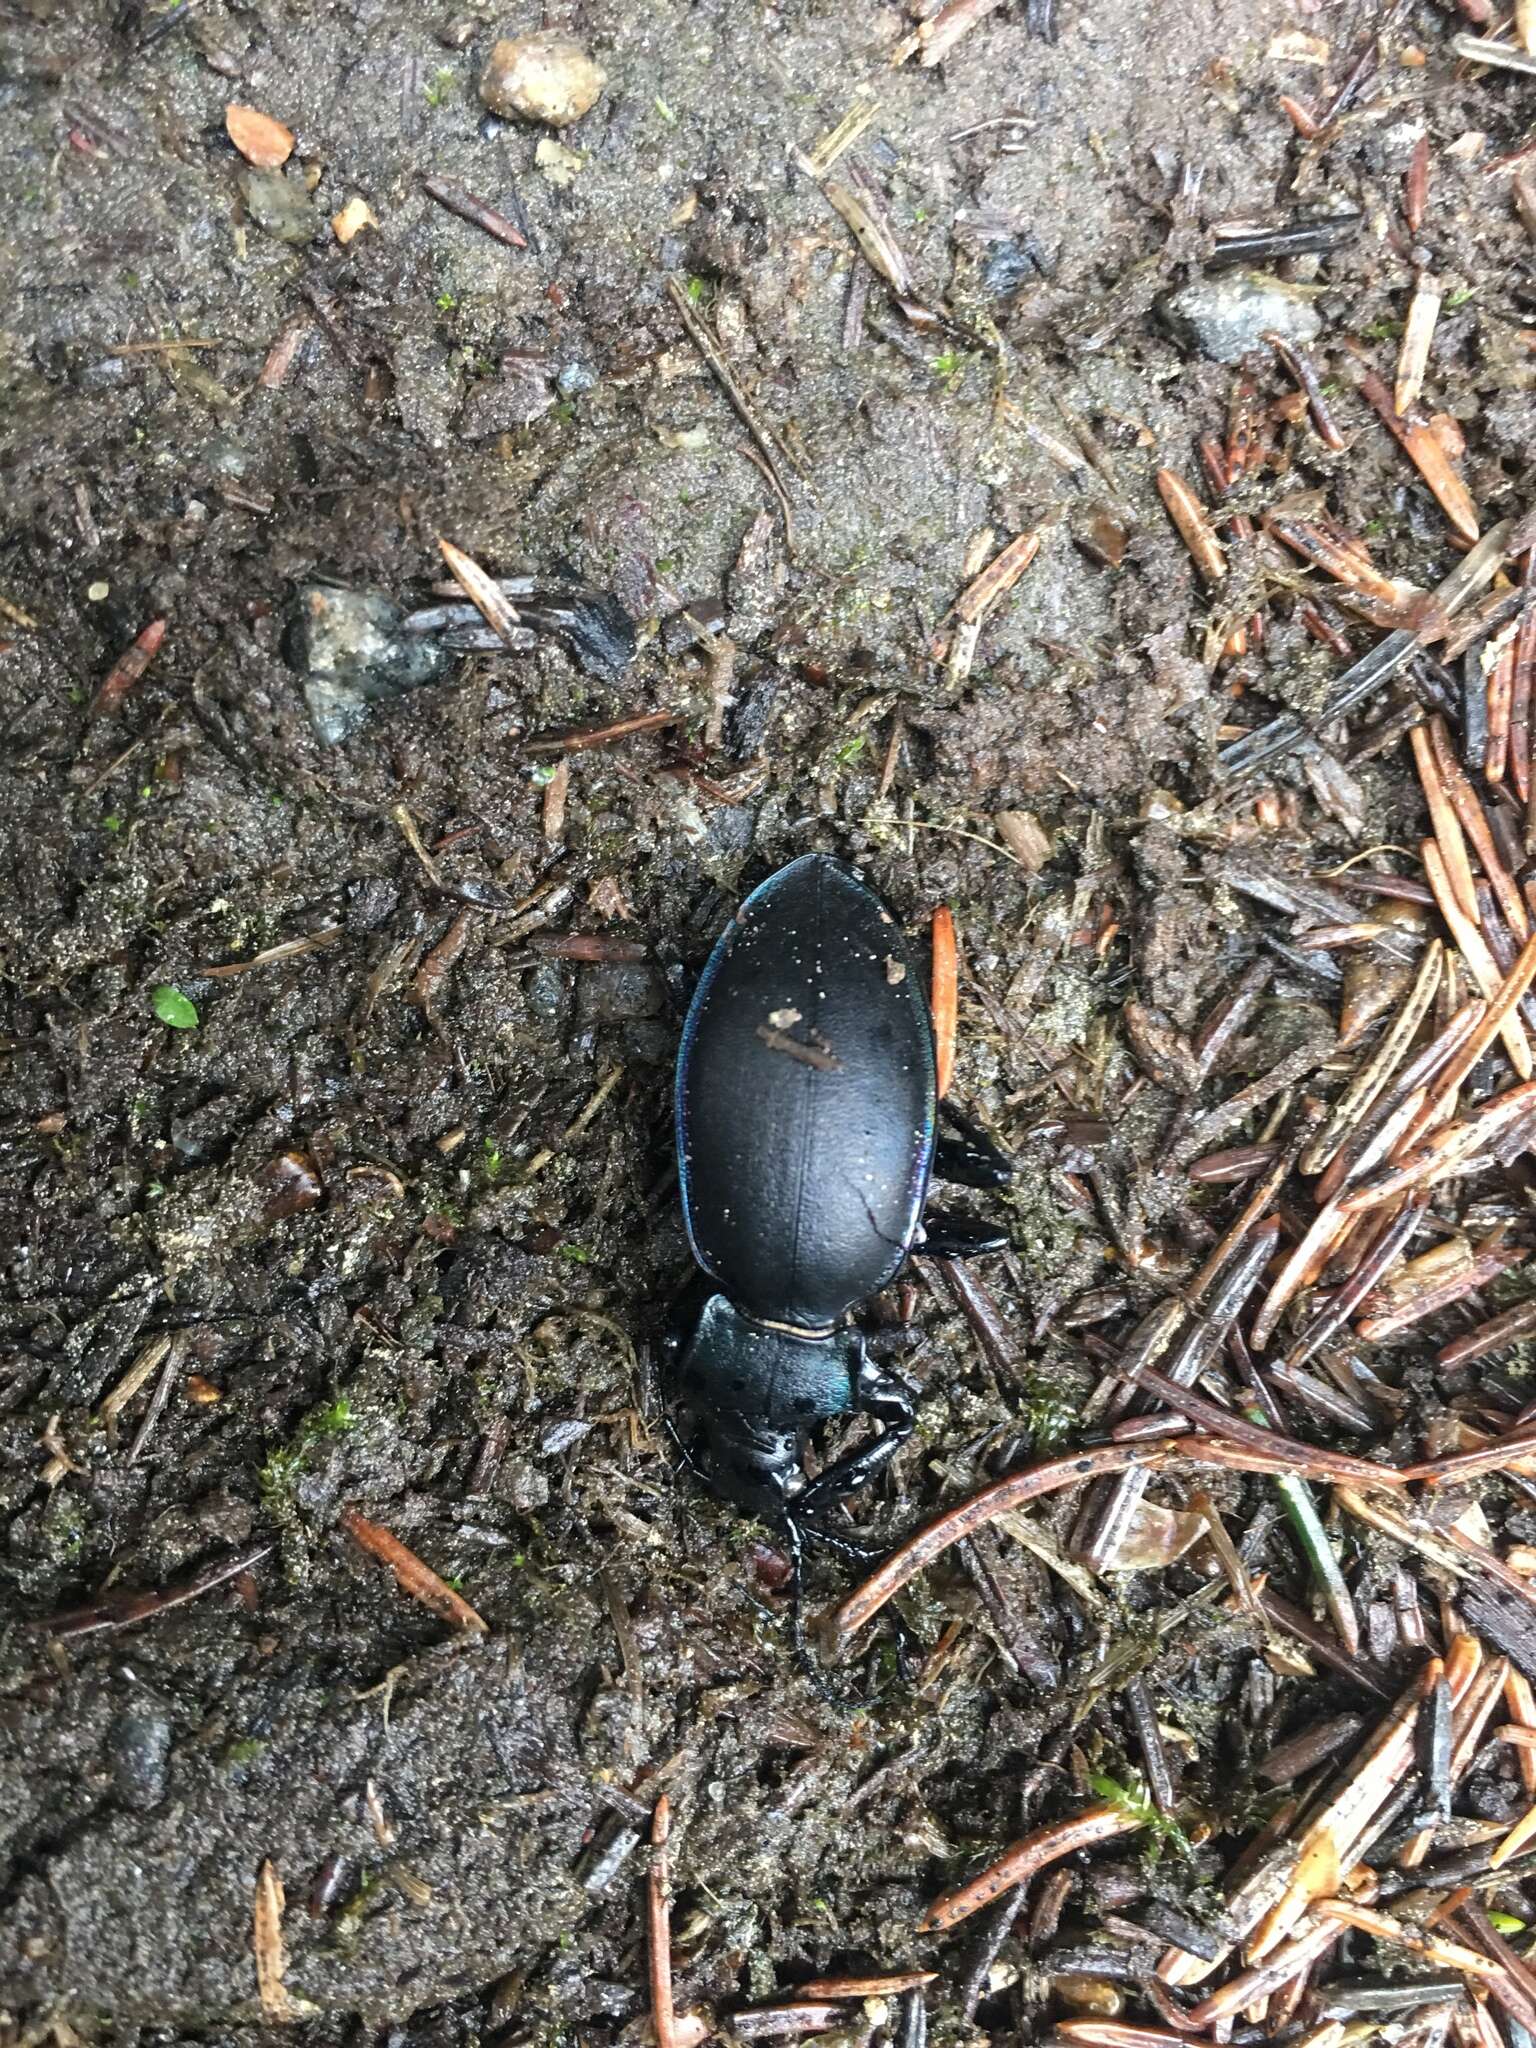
807,1132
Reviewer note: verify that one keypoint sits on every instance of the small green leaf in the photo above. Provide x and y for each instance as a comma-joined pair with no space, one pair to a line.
173,1008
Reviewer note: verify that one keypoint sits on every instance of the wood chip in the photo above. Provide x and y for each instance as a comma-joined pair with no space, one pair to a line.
277,2001
1418,334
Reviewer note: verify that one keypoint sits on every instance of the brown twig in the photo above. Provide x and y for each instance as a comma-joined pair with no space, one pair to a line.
448,193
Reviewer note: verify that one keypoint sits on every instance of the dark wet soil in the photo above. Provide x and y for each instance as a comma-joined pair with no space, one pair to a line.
335,1207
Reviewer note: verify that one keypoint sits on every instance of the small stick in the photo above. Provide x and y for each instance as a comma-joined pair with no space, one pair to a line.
126,670
659,1925
1451,1955
122,1610
411,1575
1299,363
1194,528
1280,1453
1019,1864
157,1400
1480,1271
453,196
783,2022
602,735
1416,186
710,350
1501,684
1502,1331
1447,1150
945,997
1511,1449
1442,1101
1521,656
1373,1075
1245,1449
1502,56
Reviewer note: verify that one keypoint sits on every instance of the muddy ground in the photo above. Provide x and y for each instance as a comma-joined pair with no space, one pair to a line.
348,1194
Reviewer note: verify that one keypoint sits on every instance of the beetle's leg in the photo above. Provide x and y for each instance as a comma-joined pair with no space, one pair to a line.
966,1154
875,1392
957,1237
840,1546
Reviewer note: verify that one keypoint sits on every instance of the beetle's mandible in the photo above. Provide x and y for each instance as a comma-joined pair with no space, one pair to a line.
808,1116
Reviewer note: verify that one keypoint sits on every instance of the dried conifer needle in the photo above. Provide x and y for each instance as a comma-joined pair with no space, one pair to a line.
483,591
1418,335
659,1925
1447,829
1194,528
1474,950
945,996
412,1576
1019,1864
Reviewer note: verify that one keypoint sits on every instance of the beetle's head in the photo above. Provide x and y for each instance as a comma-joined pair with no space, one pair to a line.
751,1392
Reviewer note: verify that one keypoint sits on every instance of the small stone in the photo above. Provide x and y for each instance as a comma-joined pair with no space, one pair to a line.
350,650
279,206
558,163
260,140
1224,317
543,77
574,378
138,1755
356,215
98,593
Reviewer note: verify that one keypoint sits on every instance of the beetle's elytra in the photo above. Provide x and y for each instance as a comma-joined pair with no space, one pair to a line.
807,1133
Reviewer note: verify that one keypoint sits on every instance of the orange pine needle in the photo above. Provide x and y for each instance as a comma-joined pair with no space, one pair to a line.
1019,1864
1194,528
1474,822
1473,948
659,1926
411,1575
945,997
127,669
1447,830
